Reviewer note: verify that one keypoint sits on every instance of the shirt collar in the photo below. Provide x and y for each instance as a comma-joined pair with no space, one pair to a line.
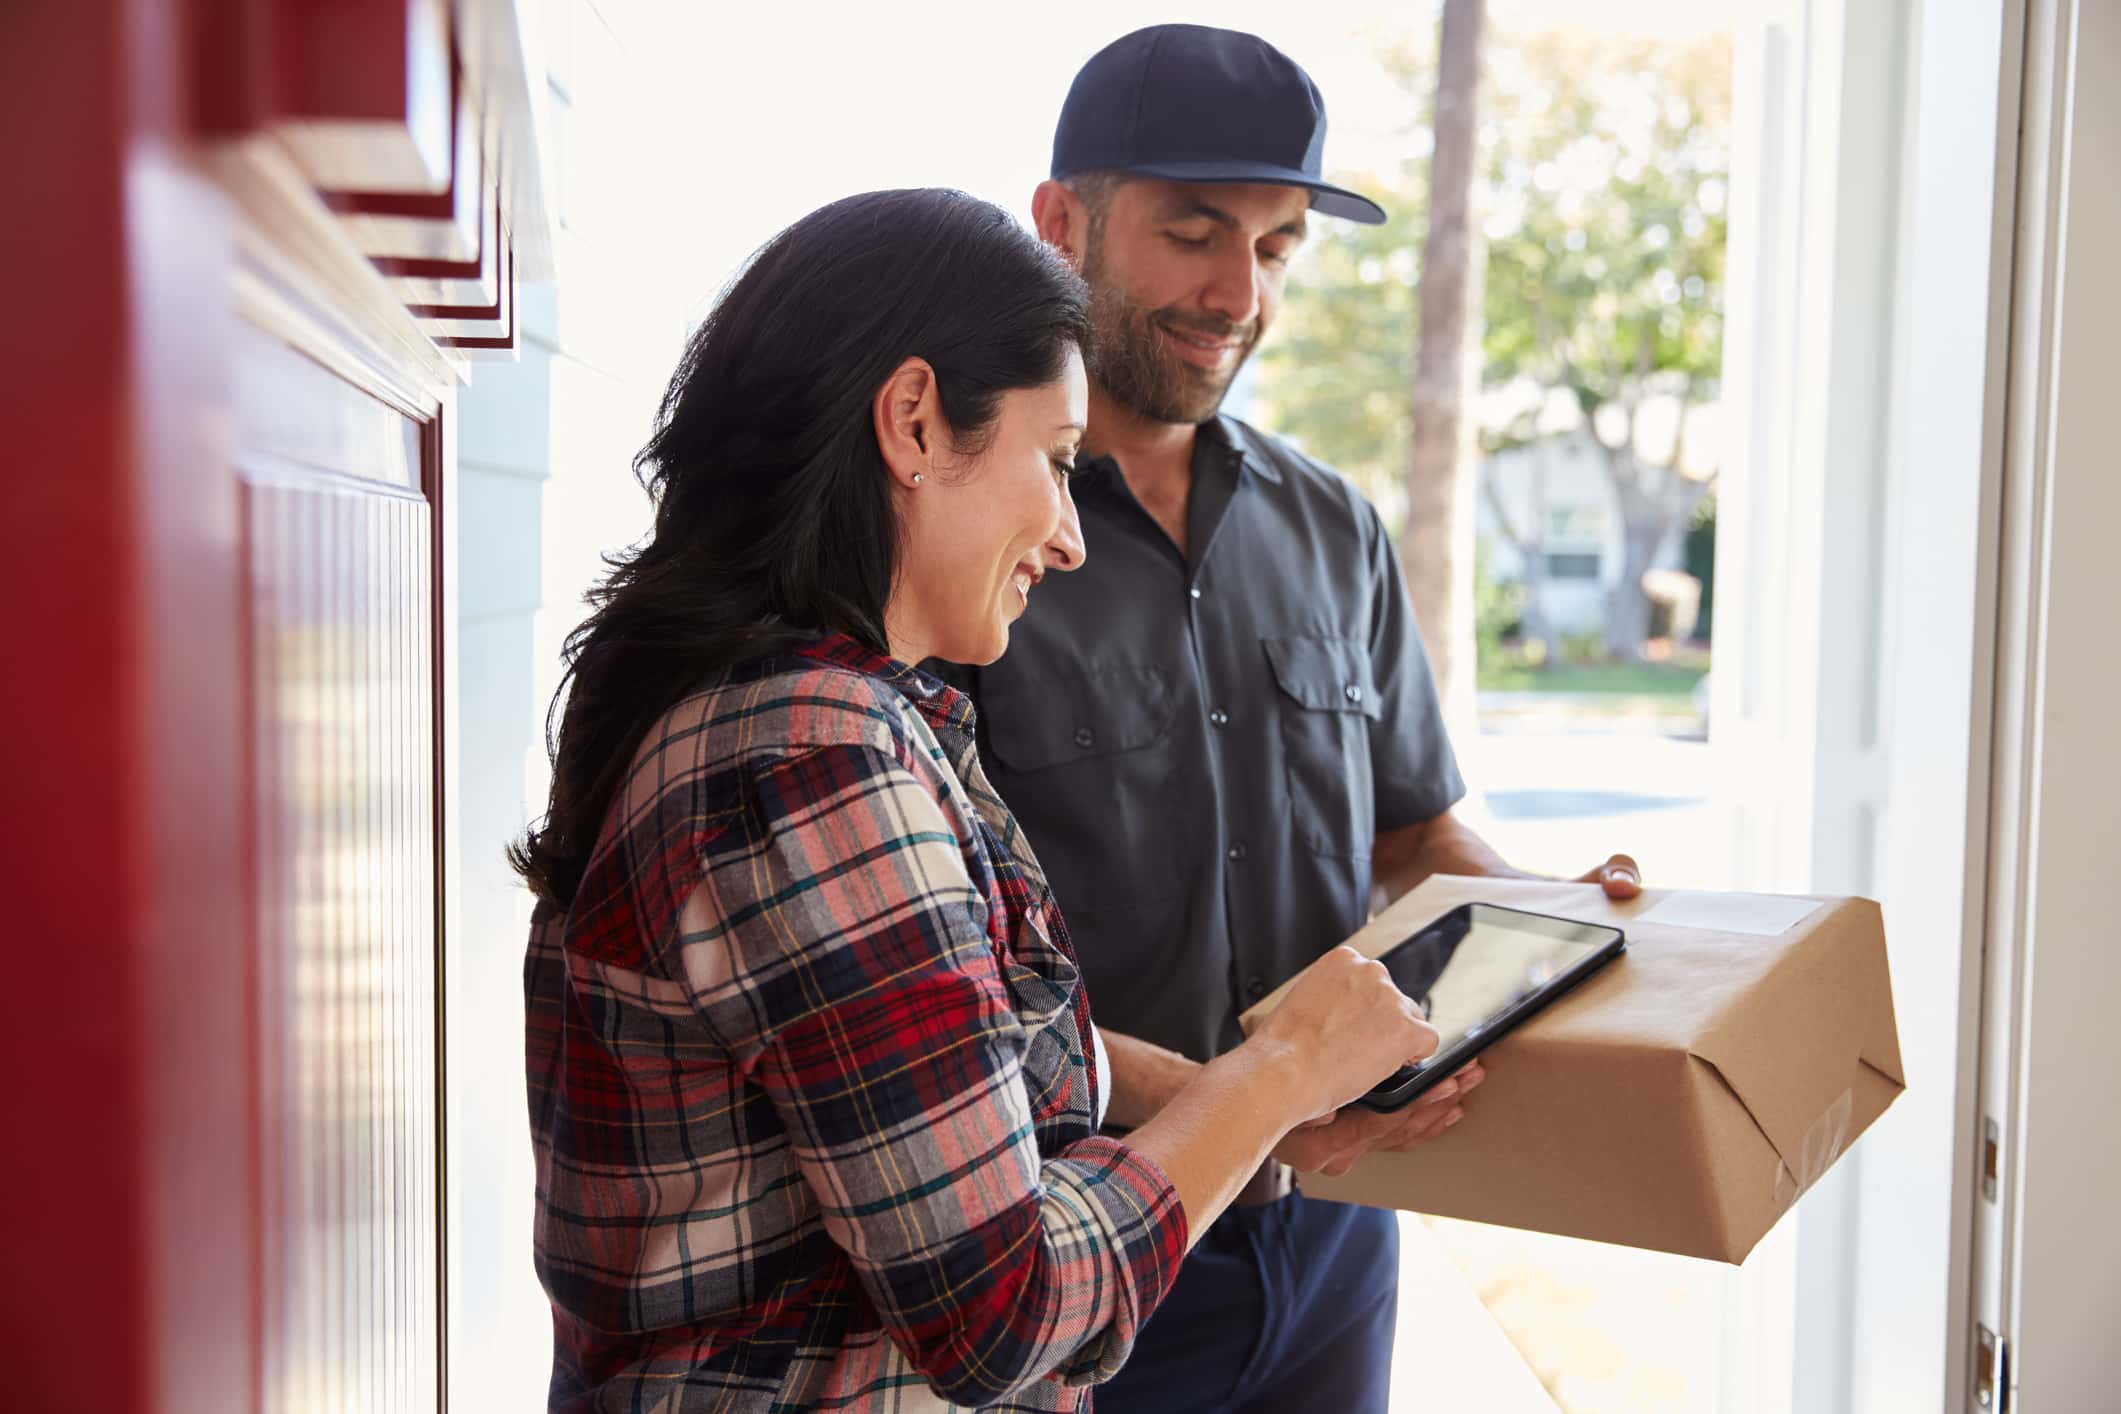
940,705
1219,435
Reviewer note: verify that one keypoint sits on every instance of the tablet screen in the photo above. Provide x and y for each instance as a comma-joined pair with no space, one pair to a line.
1476,962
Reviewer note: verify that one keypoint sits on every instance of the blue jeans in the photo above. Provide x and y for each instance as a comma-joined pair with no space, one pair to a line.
1281,1309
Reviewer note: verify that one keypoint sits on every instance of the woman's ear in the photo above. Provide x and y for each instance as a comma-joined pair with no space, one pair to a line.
908,422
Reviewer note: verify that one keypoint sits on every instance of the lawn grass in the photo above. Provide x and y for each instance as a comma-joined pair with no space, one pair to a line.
1623,679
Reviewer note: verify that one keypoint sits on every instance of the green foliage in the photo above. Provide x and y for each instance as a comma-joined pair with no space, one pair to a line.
1605,217
1701,560
1630,682
1336,370
1603,208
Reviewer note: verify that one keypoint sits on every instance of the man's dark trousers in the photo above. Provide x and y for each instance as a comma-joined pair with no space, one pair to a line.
1279,1309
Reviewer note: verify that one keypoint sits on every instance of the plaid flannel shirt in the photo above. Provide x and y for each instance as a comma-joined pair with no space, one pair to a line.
811,1085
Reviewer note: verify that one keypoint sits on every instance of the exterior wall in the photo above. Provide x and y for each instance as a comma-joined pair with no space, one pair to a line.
545,446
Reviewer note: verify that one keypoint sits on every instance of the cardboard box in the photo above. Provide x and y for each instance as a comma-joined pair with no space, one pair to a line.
1683,1097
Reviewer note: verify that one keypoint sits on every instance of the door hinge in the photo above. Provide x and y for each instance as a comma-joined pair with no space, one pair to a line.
1992,1371
1991,1146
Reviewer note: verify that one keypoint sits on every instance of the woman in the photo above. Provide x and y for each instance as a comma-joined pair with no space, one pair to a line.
814,1088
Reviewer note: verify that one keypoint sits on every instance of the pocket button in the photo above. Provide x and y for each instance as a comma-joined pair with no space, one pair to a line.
1085,738
1353,693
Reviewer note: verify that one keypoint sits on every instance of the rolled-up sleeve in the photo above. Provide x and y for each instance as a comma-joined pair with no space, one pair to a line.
854,981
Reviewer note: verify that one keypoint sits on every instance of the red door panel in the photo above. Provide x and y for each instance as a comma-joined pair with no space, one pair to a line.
340,608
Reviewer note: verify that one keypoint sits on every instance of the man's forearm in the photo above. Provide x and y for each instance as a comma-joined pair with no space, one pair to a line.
1144,1078
1404,857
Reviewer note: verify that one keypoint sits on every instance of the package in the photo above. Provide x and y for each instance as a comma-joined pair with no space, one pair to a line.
1681,1098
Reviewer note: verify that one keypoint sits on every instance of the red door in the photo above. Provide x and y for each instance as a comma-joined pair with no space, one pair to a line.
247,245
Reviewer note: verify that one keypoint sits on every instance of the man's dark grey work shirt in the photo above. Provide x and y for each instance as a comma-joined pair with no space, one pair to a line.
1202,752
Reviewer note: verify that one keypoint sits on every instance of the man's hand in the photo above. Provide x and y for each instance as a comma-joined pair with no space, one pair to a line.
1620,875
1332,1143
1444,844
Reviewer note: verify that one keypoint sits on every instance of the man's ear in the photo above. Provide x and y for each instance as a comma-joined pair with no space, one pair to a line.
908,420
1061,219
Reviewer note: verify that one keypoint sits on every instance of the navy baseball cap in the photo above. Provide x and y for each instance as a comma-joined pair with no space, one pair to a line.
1194,104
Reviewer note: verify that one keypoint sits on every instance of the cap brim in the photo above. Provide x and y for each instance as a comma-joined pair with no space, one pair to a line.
1326,199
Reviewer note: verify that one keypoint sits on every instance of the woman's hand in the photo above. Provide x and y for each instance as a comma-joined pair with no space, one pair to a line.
1343,1027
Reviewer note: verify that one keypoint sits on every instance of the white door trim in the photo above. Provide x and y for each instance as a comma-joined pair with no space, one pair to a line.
1870,298
2047,1250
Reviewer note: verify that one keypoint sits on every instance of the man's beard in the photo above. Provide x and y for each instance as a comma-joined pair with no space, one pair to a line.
1130,361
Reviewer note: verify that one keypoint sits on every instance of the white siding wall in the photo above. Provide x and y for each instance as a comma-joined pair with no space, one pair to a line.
1574,482
544,447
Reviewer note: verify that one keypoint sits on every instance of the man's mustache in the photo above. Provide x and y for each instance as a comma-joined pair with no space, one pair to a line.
1221,329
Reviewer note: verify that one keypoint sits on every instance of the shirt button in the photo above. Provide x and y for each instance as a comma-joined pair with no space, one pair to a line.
1194,591
1219,717
1084,737
1236,851
1255,986
1354,693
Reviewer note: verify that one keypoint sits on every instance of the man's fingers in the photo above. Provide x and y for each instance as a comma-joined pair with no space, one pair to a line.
1620,876
1430,1127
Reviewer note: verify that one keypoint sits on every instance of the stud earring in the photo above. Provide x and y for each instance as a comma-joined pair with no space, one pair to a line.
918,478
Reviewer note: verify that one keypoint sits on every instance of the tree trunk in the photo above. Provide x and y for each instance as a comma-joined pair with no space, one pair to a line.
1627,615
1646,518
1439,585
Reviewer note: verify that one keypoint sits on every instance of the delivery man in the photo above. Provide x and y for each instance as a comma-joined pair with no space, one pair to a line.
1222,734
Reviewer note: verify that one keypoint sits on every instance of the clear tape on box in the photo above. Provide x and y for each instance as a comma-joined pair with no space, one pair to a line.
1816,1151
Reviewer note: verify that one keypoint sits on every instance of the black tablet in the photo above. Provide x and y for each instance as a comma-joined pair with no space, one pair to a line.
1480,970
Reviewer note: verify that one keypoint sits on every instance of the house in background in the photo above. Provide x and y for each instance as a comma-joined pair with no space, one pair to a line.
1568,509
1548,520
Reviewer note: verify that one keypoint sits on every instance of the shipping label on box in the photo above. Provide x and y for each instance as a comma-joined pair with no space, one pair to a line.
1683,1097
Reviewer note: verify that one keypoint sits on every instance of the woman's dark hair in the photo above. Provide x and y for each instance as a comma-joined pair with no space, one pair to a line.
773,516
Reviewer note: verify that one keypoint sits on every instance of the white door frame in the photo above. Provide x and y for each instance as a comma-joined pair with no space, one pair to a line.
1910,1251
2046,1252
1857,534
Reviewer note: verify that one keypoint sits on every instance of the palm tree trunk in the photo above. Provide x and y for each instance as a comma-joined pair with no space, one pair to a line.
1437,582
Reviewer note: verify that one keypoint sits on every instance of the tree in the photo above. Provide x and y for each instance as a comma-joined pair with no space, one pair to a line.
1605,269
1429,545
1606,163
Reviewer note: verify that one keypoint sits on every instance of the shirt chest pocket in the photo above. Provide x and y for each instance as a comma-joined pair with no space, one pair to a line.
1326,703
